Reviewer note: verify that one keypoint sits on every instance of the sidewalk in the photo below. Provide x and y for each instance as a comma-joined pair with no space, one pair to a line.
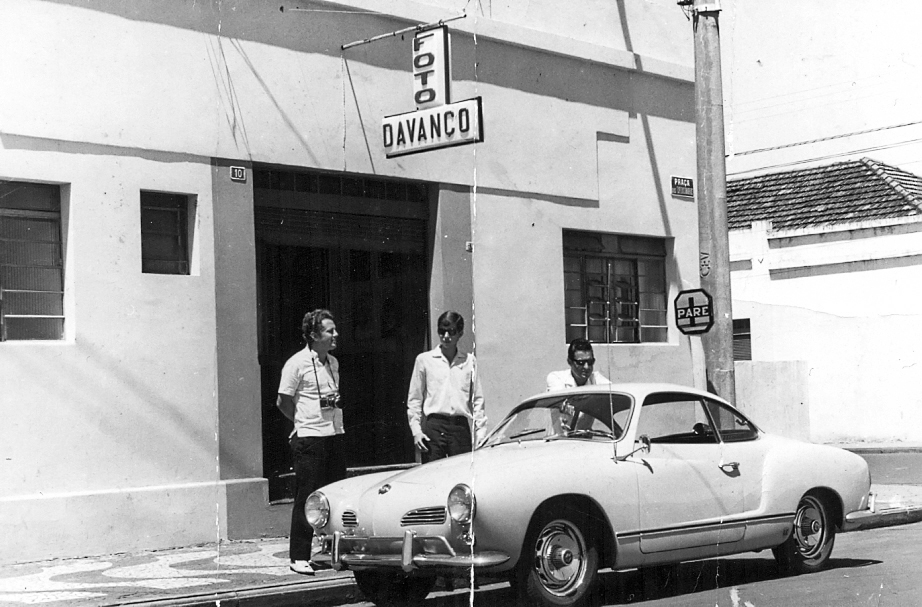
252,573
233,573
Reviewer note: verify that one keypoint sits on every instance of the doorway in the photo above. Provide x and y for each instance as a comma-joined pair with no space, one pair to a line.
339,242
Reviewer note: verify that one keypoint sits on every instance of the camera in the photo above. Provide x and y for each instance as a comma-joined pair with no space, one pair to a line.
330,401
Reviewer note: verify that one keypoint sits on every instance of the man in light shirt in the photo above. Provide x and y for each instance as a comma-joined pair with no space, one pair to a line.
580,373
445,402
309,398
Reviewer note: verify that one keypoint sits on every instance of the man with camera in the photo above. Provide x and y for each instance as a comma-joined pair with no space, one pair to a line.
309,397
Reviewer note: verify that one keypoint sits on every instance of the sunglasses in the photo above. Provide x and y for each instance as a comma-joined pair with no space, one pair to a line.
583,363
451,331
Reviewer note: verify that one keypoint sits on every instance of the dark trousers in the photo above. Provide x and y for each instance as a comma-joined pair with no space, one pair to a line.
448,435
318,461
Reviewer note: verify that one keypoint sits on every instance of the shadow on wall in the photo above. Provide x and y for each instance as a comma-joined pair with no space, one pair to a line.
497,63
130,426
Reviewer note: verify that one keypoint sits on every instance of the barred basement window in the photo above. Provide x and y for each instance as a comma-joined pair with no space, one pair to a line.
614,287
31,262
742,339
164,233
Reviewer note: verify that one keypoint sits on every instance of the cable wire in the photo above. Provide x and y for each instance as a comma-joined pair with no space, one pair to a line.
829,138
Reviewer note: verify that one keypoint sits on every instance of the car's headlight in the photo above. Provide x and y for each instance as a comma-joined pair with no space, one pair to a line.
317,510
461,504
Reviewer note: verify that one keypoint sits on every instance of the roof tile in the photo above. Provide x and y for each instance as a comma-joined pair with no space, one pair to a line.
843,192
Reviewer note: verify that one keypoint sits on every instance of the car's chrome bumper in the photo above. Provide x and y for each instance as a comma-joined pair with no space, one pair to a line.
408,553
855,519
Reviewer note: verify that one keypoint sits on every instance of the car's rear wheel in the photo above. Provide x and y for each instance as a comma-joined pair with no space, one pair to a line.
382,588
812,538
560,562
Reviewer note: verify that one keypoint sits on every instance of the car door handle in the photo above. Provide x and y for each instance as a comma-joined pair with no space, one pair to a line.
729,467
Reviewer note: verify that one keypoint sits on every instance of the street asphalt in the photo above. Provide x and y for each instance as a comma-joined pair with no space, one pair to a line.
254,573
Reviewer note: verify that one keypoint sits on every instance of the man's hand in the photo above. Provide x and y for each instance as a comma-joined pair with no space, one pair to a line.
420,443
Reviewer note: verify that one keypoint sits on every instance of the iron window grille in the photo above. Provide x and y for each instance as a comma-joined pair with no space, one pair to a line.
31,262
164,233
614,287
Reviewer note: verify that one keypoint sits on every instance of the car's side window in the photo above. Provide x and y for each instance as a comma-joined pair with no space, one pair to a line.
731,425
675,418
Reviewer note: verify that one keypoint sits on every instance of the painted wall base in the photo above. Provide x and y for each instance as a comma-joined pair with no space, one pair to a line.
41,527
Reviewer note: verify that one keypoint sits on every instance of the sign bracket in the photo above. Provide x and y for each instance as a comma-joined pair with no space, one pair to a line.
416,28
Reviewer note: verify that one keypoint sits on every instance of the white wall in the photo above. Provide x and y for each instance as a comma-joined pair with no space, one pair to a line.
128,400
857,331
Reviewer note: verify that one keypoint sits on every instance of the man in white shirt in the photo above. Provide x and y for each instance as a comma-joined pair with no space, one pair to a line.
309,398
445,399
580,373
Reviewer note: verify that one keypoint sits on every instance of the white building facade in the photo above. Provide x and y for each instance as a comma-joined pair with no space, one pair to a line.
180,186
826,271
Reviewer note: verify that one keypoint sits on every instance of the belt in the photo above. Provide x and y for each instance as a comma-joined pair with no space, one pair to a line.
452,419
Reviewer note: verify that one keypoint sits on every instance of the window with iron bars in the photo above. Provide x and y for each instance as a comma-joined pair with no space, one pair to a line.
31,262
615,287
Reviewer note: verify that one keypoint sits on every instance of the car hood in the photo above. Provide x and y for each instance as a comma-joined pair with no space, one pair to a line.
380,500
484,464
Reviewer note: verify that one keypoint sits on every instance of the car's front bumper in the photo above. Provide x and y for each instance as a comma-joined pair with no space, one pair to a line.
409,552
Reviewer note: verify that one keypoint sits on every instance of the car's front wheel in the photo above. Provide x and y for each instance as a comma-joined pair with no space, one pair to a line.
812,538
385,588
560,562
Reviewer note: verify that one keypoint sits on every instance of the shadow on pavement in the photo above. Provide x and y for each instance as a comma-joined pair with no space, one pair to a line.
628,587
698,576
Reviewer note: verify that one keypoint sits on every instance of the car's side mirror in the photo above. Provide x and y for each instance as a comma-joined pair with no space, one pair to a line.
644,441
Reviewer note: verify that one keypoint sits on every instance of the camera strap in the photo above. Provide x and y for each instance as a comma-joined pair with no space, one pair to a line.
317,378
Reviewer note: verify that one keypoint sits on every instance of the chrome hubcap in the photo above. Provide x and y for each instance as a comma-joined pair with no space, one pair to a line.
560,557
810,527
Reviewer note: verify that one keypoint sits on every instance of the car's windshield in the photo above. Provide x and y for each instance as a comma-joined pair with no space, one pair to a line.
581,416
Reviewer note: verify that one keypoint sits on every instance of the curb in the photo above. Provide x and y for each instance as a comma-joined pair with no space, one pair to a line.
880,450
887,518
318,593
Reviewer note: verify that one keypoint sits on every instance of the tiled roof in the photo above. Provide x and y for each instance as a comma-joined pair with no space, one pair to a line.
844,192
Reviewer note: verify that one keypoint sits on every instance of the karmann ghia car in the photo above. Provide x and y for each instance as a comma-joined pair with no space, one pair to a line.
620,476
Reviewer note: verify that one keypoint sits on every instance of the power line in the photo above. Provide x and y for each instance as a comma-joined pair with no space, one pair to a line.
831,137
829,156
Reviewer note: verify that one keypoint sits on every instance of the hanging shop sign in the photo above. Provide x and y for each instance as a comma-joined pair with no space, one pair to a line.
431,67
433,128
437,122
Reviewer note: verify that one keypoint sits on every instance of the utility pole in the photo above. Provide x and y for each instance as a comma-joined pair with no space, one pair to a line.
714,246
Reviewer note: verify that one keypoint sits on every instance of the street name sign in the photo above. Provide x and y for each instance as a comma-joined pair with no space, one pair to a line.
694,311
683,187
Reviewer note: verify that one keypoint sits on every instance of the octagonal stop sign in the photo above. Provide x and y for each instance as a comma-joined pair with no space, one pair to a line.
694,311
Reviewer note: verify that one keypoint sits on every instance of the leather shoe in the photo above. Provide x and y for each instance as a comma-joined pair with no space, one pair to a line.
302,567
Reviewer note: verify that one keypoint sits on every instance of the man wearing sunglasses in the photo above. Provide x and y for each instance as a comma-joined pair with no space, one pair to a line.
580,373
445,402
